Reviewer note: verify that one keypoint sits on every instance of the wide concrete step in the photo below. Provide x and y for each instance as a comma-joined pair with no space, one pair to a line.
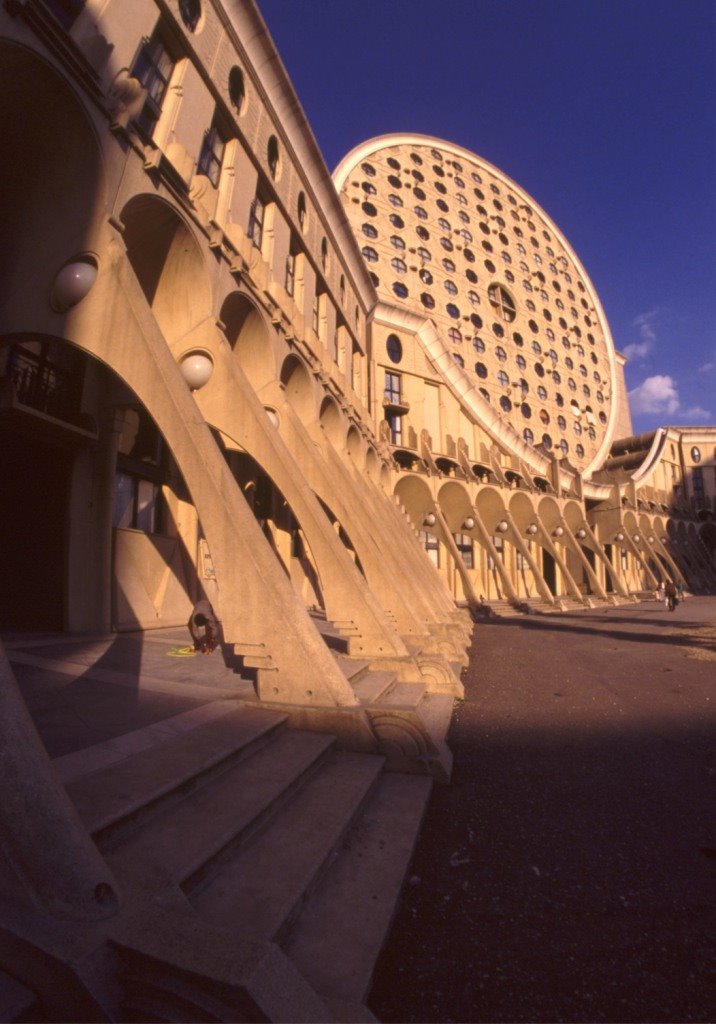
191,839
355,903
264,883
15,1000
119,796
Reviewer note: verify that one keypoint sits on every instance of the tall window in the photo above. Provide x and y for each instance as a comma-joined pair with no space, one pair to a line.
464,546
290,283
392,387
66,11
153,69
697,480
212,154
256,221
432,546
395,423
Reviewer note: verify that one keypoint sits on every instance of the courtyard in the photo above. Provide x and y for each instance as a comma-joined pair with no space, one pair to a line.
566,874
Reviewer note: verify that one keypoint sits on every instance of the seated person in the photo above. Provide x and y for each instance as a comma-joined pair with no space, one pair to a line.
204,627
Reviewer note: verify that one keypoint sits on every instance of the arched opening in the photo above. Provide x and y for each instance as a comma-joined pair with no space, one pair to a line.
278,524
102,532
169,266
50,182
298,387
331,421
248,336
355,446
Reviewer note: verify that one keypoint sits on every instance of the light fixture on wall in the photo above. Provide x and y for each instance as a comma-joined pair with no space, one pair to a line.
532,529
558,531
196,369
651,538
73,282
637,538
581,533
503,526
429,519
469,524
619,537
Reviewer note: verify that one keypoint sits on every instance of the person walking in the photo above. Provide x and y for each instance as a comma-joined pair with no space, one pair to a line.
660,593
671,595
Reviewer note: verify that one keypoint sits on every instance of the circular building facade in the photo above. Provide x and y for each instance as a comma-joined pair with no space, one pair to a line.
447,235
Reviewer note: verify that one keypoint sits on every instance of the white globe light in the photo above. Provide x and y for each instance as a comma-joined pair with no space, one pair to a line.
429,520
637,538
196,369
532,529
619,537
503,526
72,283
558,531
469,523
581,534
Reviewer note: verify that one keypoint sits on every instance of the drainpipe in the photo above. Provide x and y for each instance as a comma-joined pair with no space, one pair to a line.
493,552
577,547
524,549
602,555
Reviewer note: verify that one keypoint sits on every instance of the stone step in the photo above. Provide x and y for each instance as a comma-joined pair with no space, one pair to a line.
356,900
262,886
404,694
119,796
371,686
15,1000
190,840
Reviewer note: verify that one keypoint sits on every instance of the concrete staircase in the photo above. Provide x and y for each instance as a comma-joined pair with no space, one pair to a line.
241,843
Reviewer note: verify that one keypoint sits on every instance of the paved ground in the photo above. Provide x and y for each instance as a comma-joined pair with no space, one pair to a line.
85,691
567,874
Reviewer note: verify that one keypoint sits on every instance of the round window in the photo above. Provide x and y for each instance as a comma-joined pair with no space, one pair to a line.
394,348
695,454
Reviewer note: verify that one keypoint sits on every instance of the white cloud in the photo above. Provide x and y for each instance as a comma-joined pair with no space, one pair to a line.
644,322
656,394
707,367
637,350
695,414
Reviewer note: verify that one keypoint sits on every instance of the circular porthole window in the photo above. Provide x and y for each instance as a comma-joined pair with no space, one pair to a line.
695,454
394,348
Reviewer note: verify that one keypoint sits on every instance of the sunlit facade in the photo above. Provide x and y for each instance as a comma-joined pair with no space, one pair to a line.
350,408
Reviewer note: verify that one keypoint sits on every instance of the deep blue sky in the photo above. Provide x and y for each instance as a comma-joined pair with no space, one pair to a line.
603,110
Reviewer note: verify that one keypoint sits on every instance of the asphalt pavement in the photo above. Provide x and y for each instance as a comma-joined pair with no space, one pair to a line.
567,872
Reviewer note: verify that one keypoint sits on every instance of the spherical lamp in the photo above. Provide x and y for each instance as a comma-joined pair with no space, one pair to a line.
469,524
73,282
429,519
196,369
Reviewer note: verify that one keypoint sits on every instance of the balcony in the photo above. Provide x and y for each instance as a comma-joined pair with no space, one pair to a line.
32,382
394,403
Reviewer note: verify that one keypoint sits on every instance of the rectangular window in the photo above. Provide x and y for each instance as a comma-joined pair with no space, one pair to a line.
432,546
464,546
697,479
212,154
66,11
396,428
392,387
136,503
153,69
290,283
314,313
256,221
